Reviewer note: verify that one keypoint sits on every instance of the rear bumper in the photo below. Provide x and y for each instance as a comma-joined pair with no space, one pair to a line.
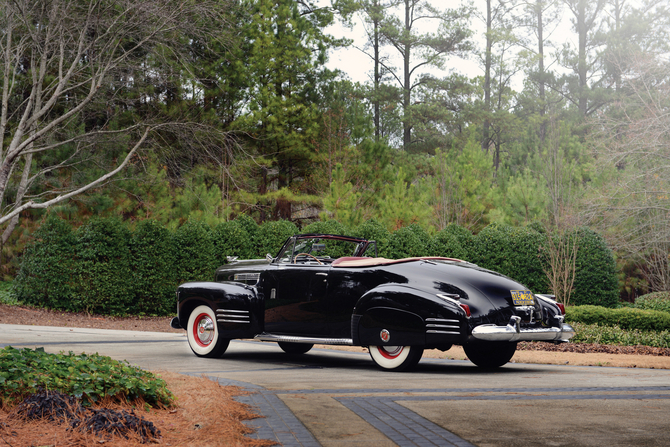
513,332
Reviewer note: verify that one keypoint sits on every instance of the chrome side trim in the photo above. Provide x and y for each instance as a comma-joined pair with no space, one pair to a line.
443,326
232,316
514,332
441,320
296,339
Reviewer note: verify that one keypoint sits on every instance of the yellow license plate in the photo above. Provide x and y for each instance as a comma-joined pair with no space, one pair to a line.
522,297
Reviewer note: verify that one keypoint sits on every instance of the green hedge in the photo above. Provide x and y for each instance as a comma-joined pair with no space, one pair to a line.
625,317
654,301
596,282
107,267
615,335
512,251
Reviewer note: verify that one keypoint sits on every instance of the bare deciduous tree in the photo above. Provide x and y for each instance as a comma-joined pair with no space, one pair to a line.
66,70
561,250
633,140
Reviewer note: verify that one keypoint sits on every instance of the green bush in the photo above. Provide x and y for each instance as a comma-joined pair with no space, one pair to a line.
325,227
194,258
654,301
625,317
596,281
47,264
372,230
6,295
615,335
447,243
251,227
87,377
106,268
102,272
514,252
272,235
153,279
407,242
231,239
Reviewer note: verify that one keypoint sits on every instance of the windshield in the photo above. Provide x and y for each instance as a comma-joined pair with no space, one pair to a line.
307,249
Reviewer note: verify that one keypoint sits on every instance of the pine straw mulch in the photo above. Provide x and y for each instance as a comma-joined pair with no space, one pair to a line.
205,414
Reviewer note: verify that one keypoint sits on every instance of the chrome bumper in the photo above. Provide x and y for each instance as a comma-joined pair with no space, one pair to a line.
513,332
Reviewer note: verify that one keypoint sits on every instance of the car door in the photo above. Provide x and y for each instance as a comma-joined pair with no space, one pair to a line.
294,300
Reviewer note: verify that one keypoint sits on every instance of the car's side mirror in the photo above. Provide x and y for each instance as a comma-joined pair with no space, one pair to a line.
269,257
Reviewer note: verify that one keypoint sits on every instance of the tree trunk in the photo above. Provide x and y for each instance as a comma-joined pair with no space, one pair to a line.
406,123
541,80
487,79
375,43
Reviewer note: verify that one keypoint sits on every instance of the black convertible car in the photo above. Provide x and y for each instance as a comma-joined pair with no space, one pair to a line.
335,290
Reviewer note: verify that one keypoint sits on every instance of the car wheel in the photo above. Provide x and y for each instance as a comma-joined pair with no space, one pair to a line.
203,334
492,354
396,358
295,348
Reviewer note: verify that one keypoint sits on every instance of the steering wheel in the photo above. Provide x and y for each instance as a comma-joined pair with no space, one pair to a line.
307,254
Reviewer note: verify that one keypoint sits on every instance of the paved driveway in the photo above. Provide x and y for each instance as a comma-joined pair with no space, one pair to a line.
336,398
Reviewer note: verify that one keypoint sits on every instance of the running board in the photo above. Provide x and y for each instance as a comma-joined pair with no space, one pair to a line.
312,340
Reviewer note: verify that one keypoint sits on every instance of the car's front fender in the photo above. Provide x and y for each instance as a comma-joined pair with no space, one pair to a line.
239,313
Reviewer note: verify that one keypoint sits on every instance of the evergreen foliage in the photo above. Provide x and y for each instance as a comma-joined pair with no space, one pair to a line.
446,243
595,279
102,272
512,251
194,255
231,239
151,254
326,227
45,275
407,242
272,235
654,301
373,230
624,317
104,267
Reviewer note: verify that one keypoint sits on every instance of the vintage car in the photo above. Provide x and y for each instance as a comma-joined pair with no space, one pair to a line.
335,290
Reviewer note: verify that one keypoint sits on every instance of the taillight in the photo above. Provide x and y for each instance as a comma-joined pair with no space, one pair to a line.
561,307
466,308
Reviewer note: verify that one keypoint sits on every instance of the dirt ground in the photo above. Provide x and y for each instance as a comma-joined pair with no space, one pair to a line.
546,353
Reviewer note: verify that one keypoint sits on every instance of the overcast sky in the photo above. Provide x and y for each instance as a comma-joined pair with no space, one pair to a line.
358,65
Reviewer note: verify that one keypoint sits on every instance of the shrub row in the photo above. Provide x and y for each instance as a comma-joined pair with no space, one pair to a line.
625,317
105,267
615,335
654,301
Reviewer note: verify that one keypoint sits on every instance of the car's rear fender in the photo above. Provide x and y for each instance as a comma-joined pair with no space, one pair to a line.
236,305
395,314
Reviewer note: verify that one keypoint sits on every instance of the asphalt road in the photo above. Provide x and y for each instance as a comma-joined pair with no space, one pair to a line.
337,398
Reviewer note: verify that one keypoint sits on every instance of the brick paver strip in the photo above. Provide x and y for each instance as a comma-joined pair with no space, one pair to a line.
400,424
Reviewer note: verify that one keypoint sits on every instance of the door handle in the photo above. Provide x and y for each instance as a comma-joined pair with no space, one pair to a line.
322,274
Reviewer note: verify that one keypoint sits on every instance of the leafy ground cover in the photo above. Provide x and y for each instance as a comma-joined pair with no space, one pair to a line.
67,399
88,378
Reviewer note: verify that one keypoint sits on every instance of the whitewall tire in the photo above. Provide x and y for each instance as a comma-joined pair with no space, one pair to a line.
203,333
396,358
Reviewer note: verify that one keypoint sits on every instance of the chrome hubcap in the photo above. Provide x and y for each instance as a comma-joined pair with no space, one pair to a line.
205,330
